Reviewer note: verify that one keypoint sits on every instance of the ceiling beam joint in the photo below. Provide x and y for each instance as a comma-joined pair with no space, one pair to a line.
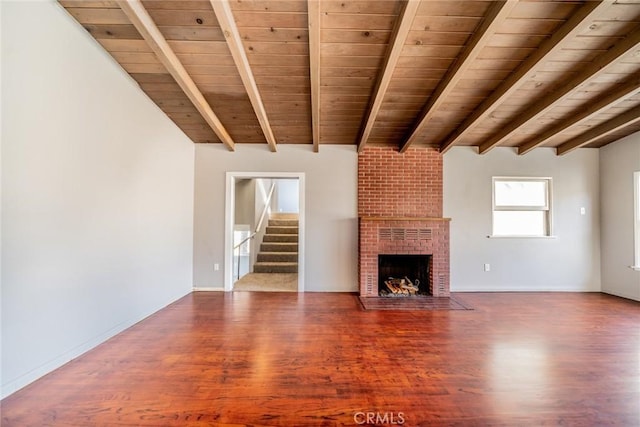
495,17
627,90
577,23
630,117
542,106
223,12
398,39
313,7
145,25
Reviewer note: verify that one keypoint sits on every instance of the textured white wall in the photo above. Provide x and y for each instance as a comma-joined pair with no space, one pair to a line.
568,262
618,162
331,220
97,196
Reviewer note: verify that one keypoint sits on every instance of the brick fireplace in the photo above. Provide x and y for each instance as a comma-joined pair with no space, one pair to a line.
400,213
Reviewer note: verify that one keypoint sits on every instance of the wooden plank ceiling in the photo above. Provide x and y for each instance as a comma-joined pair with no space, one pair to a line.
517,73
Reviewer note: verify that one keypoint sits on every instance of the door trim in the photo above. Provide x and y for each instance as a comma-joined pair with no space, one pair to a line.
229,214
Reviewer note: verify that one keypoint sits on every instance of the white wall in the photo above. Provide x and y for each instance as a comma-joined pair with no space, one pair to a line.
245,209
331,225
1,127
287,191
618,162
97,196
568,262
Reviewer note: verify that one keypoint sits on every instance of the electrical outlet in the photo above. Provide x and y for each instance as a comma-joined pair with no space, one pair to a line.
583,211
216,267
487,267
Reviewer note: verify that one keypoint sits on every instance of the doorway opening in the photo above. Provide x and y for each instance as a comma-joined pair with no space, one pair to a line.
264,231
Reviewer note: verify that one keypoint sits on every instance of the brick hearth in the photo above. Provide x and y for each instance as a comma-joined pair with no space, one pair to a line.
400,210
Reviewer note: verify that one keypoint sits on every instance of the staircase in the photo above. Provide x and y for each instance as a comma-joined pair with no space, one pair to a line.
279,248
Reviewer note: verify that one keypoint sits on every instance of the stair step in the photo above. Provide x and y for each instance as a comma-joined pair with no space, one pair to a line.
275,267
279,247
282,215
281,230
290,238
283,222
278,257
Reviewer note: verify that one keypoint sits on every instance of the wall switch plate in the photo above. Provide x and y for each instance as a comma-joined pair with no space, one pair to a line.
583,211
487,267
216,267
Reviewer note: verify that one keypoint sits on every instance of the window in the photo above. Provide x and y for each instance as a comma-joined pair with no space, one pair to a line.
521,207
636,215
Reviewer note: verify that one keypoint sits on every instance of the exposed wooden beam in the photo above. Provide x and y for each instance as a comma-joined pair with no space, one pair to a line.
496,15
140,18
578,23
398,39
626,91
313,14
631,41
227,23
630,117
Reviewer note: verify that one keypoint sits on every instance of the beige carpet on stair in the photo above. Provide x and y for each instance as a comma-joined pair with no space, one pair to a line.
268,282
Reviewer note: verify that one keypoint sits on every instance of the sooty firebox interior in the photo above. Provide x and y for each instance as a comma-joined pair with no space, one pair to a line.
403,275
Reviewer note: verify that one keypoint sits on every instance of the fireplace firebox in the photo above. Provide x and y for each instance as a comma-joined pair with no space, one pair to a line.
400,213
403,275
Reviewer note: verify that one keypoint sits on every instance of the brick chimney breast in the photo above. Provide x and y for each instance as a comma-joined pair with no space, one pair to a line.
400,212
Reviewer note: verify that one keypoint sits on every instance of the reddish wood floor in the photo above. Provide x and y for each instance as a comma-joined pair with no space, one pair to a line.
266,359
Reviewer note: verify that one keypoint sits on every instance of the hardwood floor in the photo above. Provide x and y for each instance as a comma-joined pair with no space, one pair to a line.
319,359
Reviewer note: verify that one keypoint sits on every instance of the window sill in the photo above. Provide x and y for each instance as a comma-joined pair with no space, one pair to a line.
521,237
635,267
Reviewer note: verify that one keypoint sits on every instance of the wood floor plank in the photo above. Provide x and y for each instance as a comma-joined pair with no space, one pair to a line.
319,359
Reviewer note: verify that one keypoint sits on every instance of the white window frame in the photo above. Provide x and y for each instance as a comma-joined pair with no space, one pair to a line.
547,207
636,220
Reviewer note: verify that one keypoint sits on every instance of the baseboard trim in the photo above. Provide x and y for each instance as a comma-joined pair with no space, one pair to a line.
206,289
514,290
621,295
35,374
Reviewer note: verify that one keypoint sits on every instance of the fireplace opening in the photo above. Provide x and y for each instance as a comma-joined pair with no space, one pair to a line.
403,275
